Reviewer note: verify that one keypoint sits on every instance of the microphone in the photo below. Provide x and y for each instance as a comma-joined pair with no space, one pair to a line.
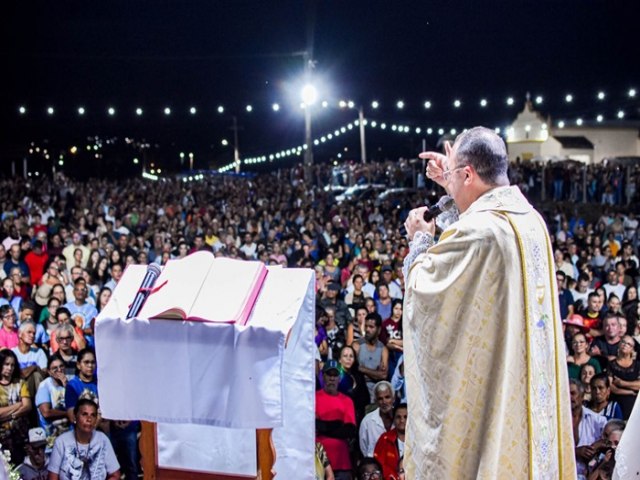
445,203
153,272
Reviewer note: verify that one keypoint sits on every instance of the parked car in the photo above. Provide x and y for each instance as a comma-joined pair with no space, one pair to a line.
360,192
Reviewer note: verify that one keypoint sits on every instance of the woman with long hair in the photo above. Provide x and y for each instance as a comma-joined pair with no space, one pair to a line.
15,405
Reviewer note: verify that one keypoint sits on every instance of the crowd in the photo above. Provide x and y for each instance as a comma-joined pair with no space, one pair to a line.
65,243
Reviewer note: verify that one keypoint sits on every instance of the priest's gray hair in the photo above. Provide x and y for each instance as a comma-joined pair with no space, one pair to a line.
486,152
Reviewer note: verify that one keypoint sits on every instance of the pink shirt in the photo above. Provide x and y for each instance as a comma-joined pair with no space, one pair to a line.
8,339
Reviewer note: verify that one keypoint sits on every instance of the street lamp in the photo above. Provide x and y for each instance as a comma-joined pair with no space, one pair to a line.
309,97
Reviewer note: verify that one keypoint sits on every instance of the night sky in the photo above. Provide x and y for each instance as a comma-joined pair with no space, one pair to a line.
234,53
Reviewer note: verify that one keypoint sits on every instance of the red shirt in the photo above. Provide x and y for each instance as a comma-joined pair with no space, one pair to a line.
36,265
335,407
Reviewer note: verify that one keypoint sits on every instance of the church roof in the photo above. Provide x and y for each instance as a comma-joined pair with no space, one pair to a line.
570,142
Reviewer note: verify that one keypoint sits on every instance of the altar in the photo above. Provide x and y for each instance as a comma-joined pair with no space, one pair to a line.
209,387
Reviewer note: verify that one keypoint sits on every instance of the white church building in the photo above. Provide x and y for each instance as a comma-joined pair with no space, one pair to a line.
532,137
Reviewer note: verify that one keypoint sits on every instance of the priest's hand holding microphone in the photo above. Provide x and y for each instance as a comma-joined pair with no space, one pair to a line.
423,218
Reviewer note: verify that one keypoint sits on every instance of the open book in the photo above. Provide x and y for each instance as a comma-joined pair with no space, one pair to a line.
203,287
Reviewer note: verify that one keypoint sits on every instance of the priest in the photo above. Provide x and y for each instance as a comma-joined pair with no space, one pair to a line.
485,368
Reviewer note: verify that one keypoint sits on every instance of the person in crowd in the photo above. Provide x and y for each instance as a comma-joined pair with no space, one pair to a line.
83,453
352,382
391,334
35,462
369,469
8,332
358,330
378,421
395,290
336,334
103,298
613,285
14,261
390,446
581,292
82,312
31,359
630,307
357,296
587,372
600,397
335,421
15,406
322,464
605,347
593,314
384,300
624,371
84,384
588,426
331,299
60,343
565,298
580,356
373,356
52,413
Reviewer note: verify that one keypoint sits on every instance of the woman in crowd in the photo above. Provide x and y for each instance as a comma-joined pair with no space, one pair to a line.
625,374
77,342
630,307
52,413
103,298
84,383
100,274
587,372
15,405
352,382
9,294
391,334
83,453
580,356
58,293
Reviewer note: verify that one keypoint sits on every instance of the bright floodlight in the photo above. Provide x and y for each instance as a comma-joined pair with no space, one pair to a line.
527,128
249,108
50,110
632,92
309,94
275,107
457,104
375,104
497,130
441,131
561,124
138,111
192,110
620,114
453,131
111,111
22,110
539,100
220,109
325,104
483,102
510,101
599,118
568,98
429,130
81,110
167,111
427,104
400,104
224,142
579,122
601,95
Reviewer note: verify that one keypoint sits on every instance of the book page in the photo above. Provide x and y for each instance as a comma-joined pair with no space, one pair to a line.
184,278
229,285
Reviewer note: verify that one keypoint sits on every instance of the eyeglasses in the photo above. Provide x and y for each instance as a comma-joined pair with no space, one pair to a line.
374,474
446,174
628,344
64,339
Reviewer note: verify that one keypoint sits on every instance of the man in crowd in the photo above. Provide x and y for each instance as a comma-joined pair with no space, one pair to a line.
565,299
587,425
592,314
335,421
390,446
379,421
607,345
460,294
373,356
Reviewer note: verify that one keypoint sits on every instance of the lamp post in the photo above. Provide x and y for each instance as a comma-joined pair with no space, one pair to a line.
309,97
363,144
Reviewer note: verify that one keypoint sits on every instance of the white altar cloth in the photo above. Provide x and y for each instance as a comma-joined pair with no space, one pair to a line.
181,373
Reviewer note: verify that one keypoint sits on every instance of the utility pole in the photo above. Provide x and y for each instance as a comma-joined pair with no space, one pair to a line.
308,153
363,145
236,150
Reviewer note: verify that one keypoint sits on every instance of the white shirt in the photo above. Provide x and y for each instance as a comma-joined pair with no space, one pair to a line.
371,428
